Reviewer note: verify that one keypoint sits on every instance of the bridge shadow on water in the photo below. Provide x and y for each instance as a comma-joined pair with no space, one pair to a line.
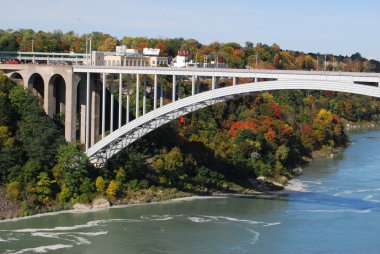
317,199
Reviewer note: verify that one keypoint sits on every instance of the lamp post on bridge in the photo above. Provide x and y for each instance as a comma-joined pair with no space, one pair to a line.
33,61
89,48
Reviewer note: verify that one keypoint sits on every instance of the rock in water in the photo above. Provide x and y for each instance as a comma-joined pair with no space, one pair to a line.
101,203
297,171
79,206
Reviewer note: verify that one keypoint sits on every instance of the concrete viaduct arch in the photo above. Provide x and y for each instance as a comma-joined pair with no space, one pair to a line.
53,85
127,134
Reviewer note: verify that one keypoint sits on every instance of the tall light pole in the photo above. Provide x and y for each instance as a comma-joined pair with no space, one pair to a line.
317,62
90,50
256,60
33,61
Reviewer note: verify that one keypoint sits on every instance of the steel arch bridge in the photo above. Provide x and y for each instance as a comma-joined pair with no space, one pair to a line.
110,145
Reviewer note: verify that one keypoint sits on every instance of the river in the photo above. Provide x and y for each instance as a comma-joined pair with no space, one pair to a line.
339,212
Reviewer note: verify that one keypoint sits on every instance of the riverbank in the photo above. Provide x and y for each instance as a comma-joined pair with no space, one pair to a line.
8,208
260,186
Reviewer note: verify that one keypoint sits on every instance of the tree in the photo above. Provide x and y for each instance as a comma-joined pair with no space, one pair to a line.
100,184
112,189
44,188
174,160
109,44
72,169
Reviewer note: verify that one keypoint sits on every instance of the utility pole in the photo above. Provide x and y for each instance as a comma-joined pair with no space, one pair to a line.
317,62
333,62
86,44
325,61
33,51
256,61
90,50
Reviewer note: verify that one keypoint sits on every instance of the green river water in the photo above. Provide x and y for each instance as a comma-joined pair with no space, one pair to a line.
338,211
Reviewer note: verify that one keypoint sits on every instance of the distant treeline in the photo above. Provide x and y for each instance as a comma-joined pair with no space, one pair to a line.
249,55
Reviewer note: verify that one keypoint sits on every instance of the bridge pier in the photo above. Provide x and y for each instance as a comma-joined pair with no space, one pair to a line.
95,111
137,95
104,105
173,91
144,95
179,87
70,108
87,140
120,98
49,100
155,93
128,97
112,86
193,85
198,84
162,94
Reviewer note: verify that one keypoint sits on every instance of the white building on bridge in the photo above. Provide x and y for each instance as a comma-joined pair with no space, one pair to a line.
129,57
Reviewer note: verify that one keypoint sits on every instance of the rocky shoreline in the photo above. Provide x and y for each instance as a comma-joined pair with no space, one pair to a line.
8,208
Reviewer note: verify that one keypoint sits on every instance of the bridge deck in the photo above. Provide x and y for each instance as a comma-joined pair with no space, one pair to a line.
242,73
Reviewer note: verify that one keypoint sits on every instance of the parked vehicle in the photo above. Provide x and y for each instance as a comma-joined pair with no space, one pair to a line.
13,62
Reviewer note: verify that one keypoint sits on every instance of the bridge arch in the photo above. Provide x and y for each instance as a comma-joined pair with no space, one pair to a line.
127,134
36,85
17,77
57,94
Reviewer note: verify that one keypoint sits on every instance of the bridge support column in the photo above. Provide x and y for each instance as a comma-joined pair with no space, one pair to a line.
95,111
193,85
198,84
104,105
112,102
137,94
88,112
120,97
213,83
49,100
82,101
144,95
128,97
174,85
155,93
179,87
256,80
70,109
162,94
234,81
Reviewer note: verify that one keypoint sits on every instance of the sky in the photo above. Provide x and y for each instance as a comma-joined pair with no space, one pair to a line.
321,26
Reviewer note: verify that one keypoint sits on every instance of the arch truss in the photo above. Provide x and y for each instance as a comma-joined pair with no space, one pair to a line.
103,150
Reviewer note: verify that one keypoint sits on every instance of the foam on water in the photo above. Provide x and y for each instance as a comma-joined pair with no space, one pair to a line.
8,239
41,249
158,217
68,228
371,199
296,185
199,219
333,211
348,192
256,236
272,224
